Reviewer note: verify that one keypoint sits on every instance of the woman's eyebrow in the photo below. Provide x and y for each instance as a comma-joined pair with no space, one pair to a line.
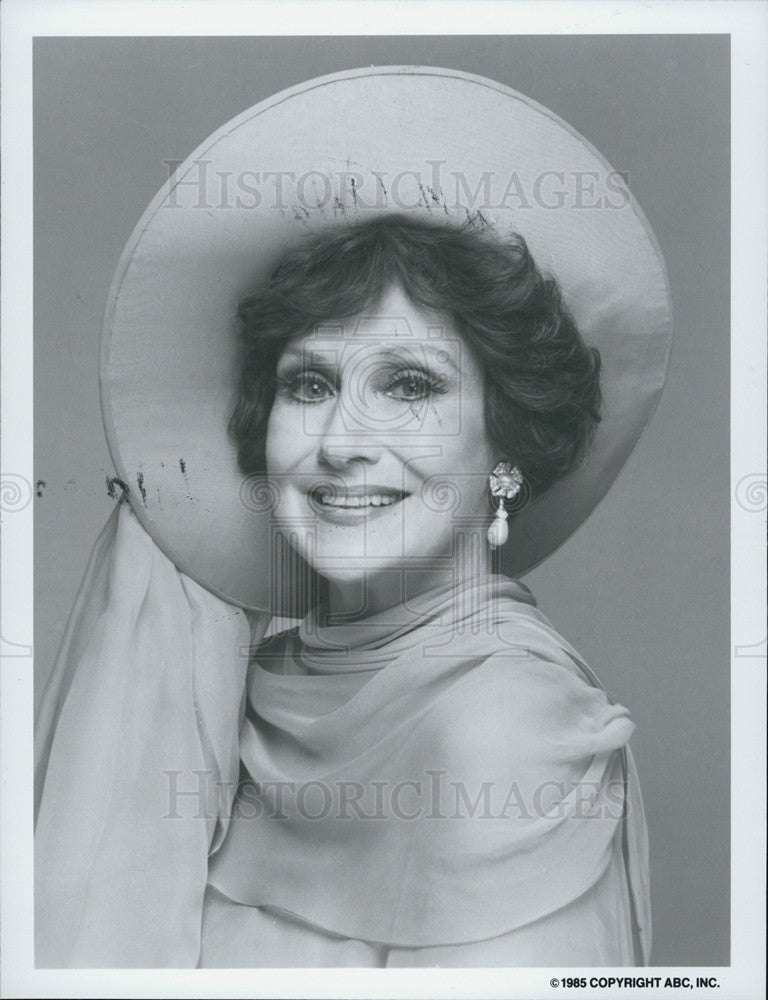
318,359
411,355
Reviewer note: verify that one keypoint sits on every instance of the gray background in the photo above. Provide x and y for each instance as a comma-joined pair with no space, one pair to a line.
642,589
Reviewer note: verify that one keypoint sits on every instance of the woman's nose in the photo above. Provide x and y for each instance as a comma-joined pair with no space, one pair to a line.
348,436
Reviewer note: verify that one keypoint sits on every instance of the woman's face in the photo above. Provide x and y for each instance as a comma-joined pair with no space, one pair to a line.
376,442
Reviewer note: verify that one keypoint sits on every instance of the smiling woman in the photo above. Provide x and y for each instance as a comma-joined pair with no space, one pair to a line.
393,358
388,360
421,771
366,456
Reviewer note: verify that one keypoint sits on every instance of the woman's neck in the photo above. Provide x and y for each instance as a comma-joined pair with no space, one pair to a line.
374,592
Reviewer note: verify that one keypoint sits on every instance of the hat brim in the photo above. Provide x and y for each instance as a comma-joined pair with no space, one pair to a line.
429,142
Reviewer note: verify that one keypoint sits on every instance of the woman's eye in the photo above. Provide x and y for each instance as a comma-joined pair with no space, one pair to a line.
410,386
307,388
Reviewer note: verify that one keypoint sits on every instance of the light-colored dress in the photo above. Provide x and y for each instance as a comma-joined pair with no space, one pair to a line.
444,784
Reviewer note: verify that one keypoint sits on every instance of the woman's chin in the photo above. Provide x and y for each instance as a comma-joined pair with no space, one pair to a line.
362,572
354,571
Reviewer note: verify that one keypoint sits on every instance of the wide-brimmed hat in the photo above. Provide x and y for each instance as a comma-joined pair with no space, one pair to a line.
436,144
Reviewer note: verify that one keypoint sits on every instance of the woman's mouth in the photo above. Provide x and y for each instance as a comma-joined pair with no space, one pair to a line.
335,499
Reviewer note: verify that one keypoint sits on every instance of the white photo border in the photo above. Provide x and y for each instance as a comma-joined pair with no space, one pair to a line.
746,23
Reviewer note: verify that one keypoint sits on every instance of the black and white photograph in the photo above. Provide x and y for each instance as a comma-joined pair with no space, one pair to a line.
384,494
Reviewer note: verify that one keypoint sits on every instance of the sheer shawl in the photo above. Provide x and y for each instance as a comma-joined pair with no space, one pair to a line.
440,773
143,704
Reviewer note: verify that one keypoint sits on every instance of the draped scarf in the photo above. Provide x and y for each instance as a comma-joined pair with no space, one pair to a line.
145,697
442,772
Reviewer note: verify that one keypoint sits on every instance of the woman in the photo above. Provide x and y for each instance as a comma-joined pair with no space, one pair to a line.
423,772
448,356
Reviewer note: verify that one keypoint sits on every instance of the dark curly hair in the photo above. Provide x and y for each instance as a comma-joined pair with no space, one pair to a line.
542,391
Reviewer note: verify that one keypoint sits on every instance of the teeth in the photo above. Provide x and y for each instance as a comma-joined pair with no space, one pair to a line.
376,500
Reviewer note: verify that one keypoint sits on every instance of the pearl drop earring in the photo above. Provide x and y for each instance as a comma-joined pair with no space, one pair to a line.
504,482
